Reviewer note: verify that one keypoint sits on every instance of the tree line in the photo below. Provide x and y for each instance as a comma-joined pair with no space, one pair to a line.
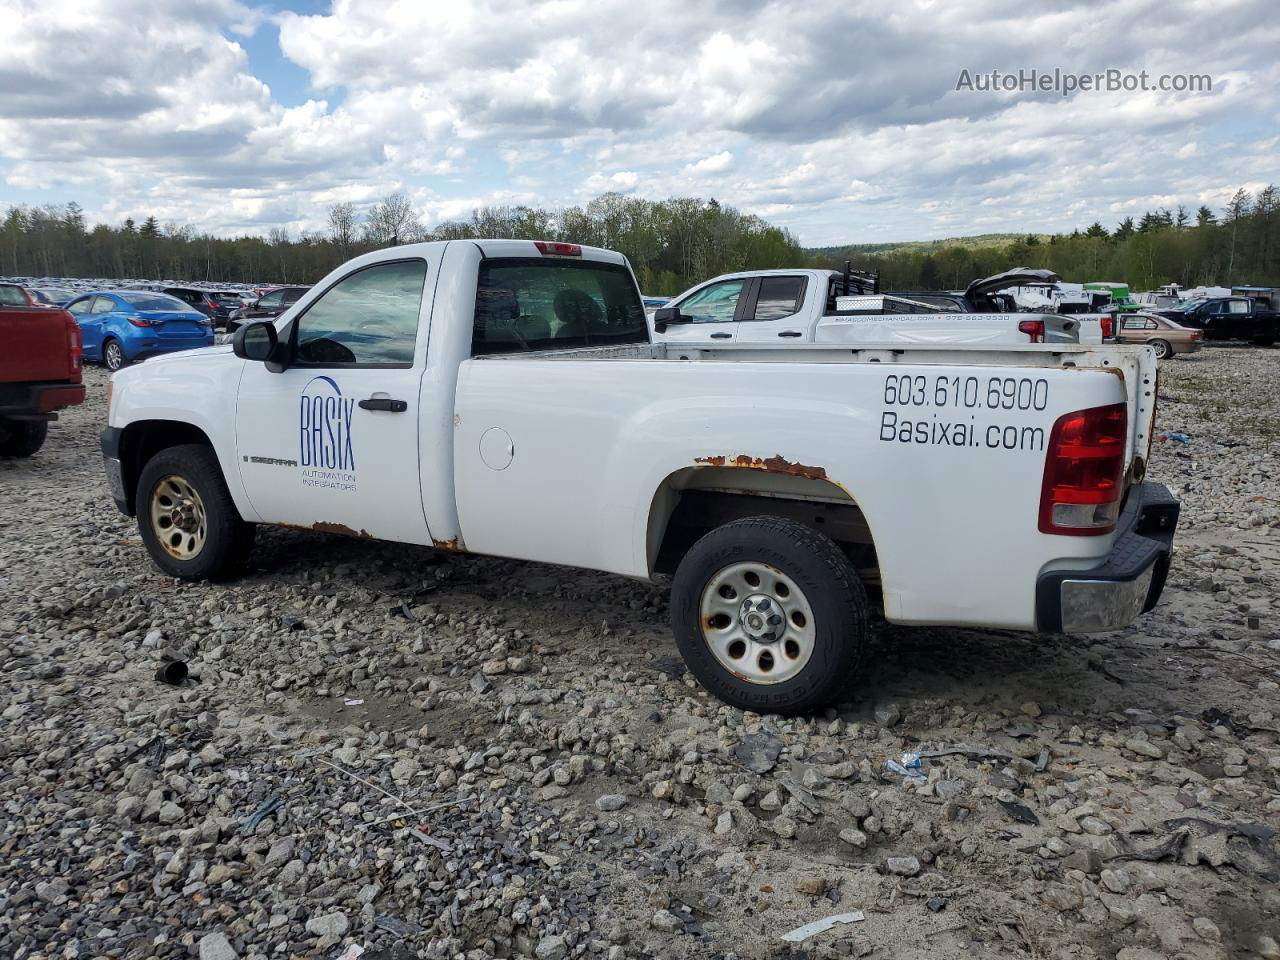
1238,245
671,244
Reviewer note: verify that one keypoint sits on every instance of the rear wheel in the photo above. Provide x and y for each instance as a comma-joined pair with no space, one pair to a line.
769,615
22,438
187,518
1162,348
113,357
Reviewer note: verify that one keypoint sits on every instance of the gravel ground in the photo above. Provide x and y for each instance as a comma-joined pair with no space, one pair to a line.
438,756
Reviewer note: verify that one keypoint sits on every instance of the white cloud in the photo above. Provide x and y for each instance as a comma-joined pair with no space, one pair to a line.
840,122
716,163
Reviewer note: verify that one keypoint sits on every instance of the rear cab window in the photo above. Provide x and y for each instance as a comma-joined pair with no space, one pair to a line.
778,297
525,305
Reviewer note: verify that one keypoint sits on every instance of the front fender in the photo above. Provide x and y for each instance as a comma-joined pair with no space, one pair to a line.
198,389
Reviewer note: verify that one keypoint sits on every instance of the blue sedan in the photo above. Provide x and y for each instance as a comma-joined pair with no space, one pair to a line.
120,327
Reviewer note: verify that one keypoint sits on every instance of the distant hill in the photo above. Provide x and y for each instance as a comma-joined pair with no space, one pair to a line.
923,246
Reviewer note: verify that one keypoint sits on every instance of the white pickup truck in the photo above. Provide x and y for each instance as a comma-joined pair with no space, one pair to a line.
503,397
815,306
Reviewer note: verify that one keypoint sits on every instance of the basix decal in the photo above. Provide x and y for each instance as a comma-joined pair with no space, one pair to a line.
326,451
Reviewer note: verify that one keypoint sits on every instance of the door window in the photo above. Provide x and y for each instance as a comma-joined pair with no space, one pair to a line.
778,297
1239,306
80,306
11,296
714,304
368,318
271,300
103,305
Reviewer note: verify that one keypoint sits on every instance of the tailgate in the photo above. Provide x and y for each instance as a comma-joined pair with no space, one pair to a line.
39,345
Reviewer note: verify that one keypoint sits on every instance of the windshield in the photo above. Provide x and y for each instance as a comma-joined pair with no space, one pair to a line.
554,304
1189,304
153,301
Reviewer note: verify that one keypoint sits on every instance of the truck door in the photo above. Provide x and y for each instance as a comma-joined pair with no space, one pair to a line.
1241,322
774,310
713,312
331,443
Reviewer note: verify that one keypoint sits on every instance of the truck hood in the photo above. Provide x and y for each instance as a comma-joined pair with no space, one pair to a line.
1010,278
187,356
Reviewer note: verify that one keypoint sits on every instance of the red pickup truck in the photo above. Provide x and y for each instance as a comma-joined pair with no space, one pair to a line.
40,368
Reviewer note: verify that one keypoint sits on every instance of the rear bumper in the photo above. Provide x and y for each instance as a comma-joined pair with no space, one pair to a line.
39,401
1128,582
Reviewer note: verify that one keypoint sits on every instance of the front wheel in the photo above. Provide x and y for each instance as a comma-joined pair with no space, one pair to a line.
1162,349
22,438
113,357
769,615
186,516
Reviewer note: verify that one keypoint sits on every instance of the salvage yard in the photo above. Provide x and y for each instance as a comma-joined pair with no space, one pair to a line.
434,755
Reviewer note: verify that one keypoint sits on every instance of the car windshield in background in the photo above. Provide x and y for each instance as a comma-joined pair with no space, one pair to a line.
233,298
53,294
153,301
555,304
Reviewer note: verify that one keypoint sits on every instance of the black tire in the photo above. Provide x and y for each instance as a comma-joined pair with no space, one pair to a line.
1162,348
22,438
227,538
113,357
1264,342
827,581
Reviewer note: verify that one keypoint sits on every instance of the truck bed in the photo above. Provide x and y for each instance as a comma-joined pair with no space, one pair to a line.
1134,364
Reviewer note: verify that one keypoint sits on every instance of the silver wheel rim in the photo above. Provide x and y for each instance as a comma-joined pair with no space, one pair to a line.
178,518
1161,351
757,623
114,356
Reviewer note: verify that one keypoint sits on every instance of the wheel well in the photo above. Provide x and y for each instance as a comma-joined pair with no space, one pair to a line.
143,440
696,500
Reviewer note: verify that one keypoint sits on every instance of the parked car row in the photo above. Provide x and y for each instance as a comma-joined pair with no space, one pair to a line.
226,305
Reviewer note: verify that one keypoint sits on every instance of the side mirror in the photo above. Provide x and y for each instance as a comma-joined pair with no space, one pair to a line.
664,316
255,341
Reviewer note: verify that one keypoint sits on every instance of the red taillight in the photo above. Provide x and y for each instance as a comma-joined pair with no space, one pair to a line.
551,248
1032,328
140,321
1082,488
75,344
1108,326
1195,335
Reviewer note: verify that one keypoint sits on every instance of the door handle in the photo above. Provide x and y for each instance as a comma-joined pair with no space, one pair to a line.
383,403
790,333
721,336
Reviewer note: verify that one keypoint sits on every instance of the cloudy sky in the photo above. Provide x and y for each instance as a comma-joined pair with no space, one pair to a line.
840,120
